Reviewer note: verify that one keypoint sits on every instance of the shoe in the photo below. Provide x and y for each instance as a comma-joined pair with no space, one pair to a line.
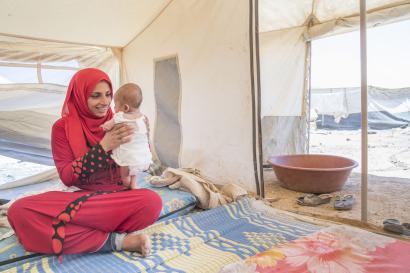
313,200
344,202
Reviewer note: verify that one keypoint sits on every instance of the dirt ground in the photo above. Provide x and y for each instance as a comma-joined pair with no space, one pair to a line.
387,198
389,176
388,150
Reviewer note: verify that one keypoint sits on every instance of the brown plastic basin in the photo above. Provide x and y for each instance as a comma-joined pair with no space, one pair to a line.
313,173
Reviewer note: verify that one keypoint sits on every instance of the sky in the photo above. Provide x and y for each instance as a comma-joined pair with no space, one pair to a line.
336,59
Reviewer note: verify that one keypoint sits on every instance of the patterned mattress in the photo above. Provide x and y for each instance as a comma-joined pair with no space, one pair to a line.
198,242
175,203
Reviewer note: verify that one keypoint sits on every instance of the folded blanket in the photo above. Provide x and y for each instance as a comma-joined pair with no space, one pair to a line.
190,180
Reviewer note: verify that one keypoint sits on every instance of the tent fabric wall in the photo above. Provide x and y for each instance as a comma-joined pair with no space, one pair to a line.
283,57
29,50
284,135
211,40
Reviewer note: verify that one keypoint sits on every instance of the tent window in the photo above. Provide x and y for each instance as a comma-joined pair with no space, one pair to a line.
61,77
18,75
167,96
30,72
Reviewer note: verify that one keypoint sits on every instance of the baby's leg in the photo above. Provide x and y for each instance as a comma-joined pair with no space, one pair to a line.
125,175
133,184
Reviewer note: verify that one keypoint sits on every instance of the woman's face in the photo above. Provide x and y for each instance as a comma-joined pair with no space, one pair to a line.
100,99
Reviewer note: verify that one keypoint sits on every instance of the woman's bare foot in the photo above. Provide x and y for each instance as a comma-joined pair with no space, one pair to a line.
137,243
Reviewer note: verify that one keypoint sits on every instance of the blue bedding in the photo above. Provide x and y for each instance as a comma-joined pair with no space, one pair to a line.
199,242
175,203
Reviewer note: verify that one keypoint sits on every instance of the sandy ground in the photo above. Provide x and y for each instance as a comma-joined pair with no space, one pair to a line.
388,153
389,178
387,198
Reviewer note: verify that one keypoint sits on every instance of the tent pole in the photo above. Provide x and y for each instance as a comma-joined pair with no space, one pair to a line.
308,71
258,81
309,104
363,66
255,146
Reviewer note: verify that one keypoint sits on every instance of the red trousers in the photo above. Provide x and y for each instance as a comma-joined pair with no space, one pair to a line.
31,218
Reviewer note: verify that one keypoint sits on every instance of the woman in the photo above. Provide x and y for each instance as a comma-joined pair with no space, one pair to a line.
101,215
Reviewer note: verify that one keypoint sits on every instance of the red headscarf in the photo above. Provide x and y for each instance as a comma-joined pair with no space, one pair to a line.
80,124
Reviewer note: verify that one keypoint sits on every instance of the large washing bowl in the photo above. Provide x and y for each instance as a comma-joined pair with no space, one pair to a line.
313,173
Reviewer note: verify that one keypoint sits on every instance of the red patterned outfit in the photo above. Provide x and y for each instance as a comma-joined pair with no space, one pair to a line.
78,222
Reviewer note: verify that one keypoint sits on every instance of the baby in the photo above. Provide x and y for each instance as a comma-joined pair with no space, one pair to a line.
135,156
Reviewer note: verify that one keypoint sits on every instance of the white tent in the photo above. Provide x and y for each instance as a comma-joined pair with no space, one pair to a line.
225,82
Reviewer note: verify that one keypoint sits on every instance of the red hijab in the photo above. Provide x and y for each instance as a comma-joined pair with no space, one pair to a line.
81,125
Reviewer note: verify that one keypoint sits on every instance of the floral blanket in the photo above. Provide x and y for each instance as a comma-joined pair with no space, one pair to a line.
338,249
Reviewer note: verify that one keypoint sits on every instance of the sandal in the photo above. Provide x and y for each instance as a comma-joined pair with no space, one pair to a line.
314,200
394,225
344,202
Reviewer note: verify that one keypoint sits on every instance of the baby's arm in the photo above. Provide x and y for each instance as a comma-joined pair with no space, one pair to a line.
108,125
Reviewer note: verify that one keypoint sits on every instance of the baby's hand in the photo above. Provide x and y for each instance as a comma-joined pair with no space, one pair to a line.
105,128
108,125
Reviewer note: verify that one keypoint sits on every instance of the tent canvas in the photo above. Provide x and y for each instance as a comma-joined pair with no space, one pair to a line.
243,68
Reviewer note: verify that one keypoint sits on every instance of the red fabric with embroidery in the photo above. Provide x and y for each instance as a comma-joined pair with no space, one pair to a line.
82,219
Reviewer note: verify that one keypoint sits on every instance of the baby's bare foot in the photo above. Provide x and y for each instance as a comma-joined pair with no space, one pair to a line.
137,243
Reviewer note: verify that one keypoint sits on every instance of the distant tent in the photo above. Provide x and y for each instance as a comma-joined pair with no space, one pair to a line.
339,108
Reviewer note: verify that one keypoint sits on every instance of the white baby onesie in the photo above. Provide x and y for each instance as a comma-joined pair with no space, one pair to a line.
135,154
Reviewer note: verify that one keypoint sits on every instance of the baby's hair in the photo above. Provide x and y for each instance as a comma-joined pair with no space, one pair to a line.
130,94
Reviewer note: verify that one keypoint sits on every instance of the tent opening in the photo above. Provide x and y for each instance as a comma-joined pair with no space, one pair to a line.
335,117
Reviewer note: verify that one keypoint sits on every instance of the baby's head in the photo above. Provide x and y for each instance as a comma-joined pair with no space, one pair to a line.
128,98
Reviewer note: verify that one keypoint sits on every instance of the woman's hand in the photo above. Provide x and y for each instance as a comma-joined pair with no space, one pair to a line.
120,134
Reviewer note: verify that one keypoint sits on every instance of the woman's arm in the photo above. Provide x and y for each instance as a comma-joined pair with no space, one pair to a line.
73,170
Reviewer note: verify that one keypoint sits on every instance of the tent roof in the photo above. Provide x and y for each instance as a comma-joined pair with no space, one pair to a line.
117,22
96,22
283,14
